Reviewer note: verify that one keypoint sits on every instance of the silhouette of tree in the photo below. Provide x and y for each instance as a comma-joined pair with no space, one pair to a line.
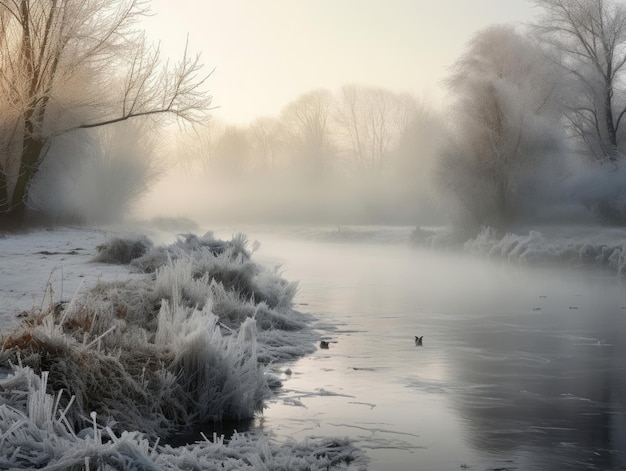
589,41
78,64
504,123
306,129
267,142
231,153
371,121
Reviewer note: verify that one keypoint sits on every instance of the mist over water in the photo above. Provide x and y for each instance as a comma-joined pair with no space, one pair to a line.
521,367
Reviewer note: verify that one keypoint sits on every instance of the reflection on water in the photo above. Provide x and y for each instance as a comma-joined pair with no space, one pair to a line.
520,368
553,384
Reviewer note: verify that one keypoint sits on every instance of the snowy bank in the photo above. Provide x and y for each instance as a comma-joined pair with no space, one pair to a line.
603,248
105,379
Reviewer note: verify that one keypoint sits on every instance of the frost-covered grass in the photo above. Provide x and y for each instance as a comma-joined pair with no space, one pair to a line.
122,250
535,248
98,382
36,434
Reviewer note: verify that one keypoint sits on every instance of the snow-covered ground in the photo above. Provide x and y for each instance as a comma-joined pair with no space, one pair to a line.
43,266
102,363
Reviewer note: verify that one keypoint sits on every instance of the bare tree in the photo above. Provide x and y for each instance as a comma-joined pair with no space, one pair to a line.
194,148
504,123
267,142
306,126
371,122
231,152
589,37
78,64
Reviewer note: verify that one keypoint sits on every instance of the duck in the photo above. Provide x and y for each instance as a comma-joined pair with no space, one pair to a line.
418,340
324,344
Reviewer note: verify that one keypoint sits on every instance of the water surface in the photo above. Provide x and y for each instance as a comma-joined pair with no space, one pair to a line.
521,368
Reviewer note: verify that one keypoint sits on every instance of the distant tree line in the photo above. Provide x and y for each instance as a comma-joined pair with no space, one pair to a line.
357,131
372,145
532,110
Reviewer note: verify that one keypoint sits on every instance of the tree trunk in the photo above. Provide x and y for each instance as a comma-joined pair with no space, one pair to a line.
611,151
31,154
4,193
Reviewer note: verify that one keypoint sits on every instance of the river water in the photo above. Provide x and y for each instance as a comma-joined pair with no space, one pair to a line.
521,367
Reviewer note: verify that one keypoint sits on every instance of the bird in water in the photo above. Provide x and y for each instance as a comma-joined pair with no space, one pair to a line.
324,344
418,340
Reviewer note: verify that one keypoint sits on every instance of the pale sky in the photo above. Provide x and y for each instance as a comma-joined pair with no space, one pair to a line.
266,53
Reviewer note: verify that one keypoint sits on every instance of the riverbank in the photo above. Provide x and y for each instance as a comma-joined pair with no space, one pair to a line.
105,362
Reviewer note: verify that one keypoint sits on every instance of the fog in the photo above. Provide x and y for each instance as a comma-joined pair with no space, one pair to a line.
268,266
360,156
503,152
510,145
313,165
97,176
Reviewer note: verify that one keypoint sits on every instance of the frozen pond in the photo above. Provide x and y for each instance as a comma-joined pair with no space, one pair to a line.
521,368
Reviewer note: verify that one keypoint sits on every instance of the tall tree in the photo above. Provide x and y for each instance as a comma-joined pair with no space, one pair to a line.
267,142
78,64
371,121
306,126
230,155
589,40
504,123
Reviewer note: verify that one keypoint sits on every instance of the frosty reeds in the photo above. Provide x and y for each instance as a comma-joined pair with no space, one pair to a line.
99,381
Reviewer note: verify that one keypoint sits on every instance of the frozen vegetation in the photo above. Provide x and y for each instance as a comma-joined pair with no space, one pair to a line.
111,378
534,248
604,249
